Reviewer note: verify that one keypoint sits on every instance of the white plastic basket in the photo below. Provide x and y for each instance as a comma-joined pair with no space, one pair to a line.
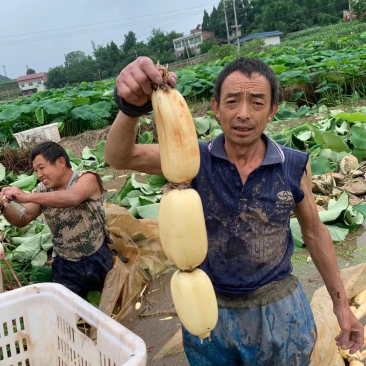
38,328
44,133
1,275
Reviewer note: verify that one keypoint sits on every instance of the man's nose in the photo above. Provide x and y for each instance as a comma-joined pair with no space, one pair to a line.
244,110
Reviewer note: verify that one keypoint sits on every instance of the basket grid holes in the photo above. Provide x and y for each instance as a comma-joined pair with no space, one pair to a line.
105,361
5,352
68,351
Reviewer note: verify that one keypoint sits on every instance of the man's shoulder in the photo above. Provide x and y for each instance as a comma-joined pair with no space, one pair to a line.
40,188
92,175
82,173
292,153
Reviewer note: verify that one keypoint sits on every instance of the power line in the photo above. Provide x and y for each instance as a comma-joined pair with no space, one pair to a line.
90,48
110,21
91,30
94,30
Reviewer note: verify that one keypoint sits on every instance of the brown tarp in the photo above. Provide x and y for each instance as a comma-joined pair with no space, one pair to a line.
137,240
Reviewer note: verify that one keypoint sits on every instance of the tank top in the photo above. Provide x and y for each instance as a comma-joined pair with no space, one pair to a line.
80,231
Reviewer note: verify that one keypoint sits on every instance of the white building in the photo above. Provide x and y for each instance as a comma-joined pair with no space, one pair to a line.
33,83
191,41
270,38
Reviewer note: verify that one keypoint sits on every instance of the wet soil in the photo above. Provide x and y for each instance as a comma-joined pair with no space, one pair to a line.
155,330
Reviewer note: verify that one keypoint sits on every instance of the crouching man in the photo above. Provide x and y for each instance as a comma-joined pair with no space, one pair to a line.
73,208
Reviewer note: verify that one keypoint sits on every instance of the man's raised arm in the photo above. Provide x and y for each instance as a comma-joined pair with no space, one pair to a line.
134,86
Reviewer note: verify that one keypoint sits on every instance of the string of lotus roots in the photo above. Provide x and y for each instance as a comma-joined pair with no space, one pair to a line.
181,220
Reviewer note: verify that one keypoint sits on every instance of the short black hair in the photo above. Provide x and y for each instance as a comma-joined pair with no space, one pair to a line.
51,151
248,66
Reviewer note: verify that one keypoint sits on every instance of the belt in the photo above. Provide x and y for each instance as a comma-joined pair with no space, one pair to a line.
267,294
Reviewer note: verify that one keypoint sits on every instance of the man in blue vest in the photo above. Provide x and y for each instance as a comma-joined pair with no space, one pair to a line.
248,185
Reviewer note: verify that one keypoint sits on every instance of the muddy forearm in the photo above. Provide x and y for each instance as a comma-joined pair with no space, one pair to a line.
58,199
322,252
121,142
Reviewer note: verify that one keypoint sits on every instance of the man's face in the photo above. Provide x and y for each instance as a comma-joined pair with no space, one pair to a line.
49,174
245,108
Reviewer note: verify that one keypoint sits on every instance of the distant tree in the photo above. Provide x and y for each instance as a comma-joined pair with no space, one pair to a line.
206,24
115,56
160,46
326,19
205,46
80,67
3,78
281,26
359,8
56,77
216,22
252,47
129,42
102,60
256,16
187,53
31,71
222,51
74,58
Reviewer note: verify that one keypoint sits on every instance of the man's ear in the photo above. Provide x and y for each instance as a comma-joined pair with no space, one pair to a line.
215,107
272,112
61,161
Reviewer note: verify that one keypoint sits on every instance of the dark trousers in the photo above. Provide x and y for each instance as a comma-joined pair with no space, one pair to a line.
86,275
282,333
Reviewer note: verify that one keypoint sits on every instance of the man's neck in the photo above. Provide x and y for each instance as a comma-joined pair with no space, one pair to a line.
64,181
244,155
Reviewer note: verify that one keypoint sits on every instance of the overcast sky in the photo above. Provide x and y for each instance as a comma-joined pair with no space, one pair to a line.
38,33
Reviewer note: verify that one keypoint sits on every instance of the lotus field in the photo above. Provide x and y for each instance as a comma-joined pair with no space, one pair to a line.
315,75
320,112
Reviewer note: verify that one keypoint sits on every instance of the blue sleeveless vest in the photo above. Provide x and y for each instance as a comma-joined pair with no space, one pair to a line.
249,238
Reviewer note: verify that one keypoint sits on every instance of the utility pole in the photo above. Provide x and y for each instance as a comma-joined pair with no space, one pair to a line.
350,11
185,42
27,67
236,25
227,27
5,71
6,88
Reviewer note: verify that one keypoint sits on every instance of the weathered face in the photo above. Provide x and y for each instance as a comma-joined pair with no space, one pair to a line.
245,108
49,174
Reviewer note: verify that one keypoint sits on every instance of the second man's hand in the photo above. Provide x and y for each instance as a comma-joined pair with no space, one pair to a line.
15,194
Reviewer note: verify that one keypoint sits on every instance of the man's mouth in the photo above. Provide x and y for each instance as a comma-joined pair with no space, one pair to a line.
44,181
242,130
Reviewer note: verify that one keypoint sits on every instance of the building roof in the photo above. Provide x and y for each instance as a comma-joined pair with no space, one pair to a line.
39,75
259,35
